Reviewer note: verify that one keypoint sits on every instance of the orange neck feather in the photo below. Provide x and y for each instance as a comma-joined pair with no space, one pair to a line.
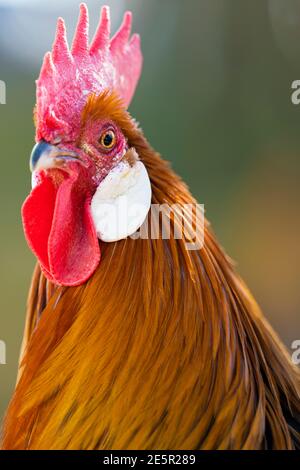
161,348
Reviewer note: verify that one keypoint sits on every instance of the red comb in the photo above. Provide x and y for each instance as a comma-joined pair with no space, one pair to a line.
67,76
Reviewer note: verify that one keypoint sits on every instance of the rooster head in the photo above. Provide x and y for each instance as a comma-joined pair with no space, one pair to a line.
87,181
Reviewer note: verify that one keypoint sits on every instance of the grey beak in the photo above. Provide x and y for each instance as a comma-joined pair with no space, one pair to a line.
45,156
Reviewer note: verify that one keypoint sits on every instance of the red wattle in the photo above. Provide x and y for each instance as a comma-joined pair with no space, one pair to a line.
59,229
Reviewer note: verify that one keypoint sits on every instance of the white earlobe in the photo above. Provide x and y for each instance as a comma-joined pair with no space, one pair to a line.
121,202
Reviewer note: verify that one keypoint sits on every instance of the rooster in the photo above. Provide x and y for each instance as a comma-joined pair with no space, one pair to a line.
131,342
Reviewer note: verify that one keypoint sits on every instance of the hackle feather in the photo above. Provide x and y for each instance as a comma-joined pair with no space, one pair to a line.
162,348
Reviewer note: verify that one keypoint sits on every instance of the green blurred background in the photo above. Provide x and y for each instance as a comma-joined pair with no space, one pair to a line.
214,99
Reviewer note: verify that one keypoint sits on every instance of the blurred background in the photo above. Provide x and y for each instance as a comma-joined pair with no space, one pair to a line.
214,99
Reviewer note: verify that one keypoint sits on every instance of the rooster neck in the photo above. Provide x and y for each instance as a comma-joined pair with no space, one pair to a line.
159,349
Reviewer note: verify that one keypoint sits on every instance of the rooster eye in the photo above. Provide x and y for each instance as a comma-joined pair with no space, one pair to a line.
108,139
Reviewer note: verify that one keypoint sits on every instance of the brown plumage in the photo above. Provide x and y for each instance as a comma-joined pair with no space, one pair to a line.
162,348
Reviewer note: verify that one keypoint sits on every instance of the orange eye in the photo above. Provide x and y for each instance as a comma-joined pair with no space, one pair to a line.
108,139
